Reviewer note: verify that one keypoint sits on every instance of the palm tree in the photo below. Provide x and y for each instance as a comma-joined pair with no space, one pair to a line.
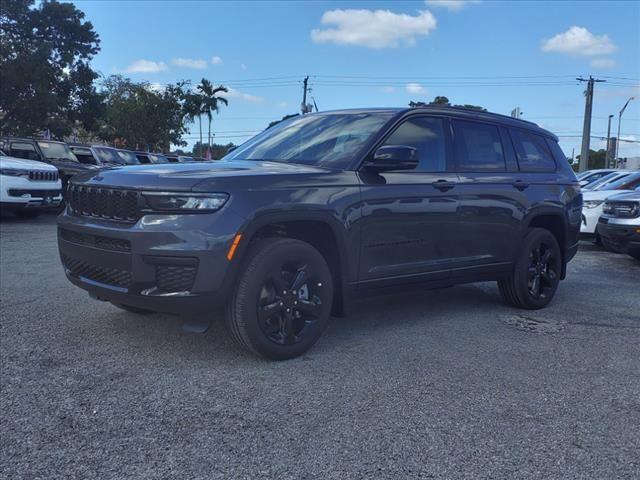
210,102
194,105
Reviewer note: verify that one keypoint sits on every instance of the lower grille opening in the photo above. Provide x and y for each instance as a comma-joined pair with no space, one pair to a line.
174,278
105,243
106,275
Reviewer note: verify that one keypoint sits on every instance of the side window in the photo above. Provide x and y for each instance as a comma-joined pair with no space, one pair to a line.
24,150
532,151
478,147
426,135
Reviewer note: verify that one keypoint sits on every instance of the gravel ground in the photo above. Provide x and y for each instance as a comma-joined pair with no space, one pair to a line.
441,384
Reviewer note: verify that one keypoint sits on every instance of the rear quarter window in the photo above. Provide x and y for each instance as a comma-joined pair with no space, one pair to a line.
532,152
478,147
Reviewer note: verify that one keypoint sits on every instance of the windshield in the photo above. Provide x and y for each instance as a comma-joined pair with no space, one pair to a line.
56,151
108,155
156,158
326,140
128,157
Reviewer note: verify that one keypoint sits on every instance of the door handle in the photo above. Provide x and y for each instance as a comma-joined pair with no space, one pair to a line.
520,185
443,185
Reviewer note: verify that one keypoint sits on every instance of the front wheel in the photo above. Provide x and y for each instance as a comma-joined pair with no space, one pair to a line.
536,273
282,301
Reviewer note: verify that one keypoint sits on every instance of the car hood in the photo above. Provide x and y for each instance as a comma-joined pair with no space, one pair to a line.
196,176
632,196
12,162
602,194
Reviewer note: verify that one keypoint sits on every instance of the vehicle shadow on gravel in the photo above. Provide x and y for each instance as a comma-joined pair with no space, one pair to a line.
369,318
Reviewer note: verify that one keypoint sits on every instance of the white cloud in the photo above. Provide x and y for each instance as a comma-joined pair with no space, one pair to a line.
146,66
196,63
216,60
283,104
415,88
451,5
373,28
580,42
389,89
155,87
603,63
233,93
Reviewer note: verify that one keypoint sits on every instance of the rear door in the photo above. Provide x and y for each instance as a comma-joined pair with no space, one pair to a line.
408,221
491,200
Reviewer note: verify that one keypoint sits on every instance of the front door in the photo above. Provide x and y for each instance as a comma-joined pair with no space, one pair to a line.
409,217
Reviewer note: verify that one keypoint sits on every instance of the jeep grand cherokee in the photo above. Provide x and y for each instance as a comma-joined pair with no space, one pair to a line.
291,224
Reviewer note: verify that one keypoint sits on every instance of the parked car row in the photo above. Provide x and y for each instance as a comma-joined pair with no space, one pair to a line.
36,172
611,209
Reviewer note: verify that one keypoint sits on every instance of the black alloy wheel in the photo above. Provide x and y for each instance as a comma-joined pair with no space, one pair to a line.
542,276
289,302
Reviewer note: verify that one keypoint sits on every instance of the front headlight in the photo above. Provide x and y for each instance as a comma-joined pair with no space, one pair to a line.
14,172
592,203
168,202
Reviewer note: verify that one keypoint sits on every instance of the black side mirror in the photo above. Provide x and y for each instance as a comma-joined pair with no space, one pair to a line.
393,157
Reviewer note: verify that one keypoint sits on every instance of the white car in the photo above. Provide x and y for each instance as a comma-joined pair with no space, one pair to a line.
589,176
593,201
27,187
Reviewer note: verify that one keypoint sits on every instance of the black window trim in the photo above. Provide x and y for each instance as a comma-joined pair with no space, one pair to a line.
448,145
491,124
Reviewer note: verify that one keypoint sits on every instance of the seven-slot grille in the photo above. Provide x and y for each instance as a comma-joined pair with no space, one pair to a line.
622,209
43,176
107,203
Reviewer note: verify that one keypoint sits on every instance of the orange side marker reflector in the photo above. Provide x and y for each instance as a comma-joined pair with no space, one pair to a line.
234,246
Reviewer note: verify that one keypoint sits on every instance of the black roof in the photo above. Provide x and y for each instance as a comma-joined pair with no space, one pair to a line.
460,112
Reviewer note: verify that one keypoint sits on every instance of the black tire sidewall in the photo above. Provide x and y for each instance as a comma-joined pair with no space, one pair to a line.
265,255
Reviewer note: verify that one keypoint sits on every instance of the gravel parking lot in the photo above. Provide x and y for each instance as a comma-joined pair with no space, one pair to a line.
440,384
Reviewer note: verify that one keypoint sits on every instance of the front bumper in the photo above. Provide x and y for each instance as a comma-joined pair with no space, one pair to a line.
625,235
164,263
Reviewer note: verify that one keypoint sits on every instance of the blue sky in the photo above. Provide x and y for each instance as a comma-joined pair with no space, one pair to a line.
496,54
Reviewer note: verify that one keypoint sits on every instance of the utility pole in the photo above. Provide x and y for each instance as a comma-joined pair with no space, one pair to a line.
619,121
607,156
586,129
304,108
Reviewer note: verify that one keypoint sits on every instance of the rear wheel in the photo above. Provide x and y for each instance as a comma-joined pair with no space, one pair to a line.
536,274
282,302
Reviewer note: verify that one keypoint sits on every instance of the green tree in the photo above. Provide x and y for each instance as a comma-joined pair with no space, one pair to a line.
441,100
140,116
45,78
286,117
217,150
596,159
193,108
210,102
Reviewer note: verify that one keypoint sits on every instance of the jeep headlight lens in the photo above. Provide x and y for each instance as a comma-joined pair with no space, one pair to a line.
592,203
14,172
168,202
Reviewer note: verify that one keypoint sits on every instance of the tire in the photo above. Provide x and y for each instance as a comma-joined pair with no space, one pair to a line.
611,246
128,308
26,213
282,300
536,273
